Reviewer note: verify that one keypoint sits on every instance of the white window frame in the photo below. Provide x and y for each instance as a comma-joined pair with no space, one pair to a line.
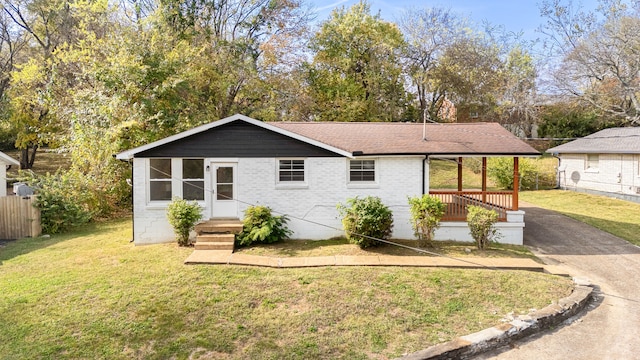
183,179
292,184
150,181
363,183
175,179
591,165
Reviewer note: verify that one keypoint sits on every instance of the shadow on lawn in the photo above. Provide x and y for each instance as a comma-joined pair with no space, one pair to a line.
10,249
14,248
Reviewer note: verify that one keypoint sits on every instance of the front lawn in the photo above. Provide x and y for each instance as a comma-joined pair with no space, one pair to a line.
618,217
92,294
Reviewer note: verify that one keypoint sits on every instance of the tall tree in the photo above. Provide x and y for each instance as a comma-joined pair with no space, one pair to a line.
428,33
518,103
239,34
471,70
47,25
355,74
597,54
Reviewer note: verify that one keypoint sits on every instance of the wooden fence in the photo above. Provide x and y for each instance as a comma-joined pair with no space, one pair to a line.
19,218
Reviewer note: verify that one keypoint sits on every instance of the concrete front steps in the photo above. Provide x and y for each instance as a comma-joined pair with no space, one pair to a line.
217,234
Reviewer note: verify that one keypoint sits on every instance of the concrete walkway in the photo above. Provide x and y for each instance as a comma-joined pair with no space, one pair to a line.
226,257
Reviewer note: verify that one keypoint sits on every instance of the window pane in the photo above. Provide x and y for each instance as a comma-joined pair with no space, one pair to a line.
224,191
193,169
224,175
362,170
193,190
160,168
291,170
160,190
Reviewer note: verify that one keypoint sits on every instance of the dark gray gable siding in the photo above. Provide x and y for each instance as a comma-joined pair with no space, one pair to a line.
236,139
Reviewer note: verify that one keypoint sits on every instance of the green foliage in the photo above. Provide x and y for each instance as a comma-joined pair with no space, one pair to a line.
366,219
62,198
481,223
183,216
500,170
260,226
356,73
426,212
567,121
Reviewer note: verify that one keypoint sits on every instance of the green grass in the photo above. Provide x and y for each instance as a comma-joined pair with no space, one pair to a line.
92,294
47,161
443,174
341,246
618,217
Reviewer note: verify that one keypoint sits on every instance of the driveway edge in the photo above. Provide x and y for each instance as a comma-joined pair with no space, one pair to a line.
517,328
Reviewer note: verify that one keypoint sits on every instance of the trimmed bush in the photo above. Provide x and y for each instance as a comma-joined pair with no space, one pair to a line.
366,219
481,223
183,216
260,226
426,212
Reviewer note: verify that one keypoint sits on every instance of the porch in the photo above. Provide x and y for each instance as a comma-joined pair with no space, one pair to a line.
457,201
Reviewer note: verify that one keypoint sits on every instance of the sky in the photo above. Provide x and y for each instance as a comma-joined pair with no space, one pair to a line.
515,15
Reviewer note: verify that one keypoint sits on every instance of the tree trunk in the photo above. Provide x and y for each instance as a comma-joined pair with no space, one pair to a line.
26,158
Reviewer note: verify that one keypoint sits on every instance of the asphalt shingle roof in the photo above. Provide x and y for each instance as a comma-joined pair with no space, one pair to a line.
370,138
407,138
608,141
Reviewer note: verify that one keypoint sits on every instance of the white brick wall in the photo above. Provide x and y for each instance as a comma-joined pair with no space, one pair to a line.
312,207
616,173
307,206
327,185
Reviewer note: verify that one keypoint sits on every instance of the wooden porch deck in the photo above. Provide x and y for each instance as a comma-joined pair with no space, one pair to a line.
457,202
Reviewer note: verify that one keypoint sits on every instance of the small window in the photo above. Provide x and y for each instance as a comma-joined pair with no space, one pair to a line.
592,161
362,170
291,171
159,179
193,179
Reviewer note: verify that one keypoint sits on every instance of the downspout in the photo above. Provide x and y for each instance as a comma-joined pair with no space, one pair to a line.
424,172
133,233
133,218
557,171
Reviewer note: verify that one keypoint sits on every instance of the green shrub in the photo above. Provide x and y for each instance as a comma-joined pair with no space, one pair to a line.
62,199
260,226
481,223
500,170
426,212
365,220
183,216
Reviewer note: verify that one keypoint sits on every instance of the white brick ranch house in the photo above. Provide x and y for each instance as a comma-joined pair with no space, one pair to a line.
304,169
604,163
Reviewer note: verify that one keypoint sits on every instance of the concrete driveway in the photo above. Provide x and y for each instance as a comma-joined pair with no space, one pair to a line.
611,330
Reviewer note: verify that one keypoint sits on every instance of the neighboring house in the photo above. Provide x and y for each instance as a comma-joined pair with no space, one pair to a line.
606,163
305,169
5,161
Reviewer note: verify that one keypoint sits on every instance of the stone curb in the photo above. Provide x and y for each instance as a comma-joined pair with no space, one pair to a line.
467,346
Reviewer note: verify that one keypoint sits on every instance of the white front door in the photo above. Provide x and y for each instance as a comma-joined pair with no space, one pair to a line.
224,180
